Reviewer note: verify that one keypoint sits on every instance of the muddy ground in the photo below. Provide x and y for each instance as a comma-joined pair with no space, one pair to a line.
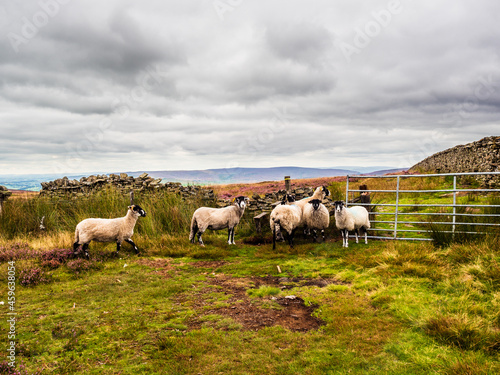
249,313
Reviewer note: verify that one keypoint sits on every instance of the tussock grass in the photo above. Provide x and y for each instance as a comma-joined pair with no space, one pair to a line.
167,213
392,308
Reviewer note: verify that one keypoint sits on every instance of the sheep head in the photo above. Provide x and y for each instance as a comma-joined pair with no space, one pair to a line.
137,210
315,203
241,201
288,198
339,205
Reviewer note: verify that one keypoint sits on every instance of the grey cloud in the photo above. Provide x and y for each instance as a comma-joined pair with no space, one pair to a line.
219,83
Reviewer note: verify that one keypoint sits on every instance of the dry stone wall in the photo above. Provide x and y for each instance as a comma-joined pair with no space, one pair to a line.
66,188
480,156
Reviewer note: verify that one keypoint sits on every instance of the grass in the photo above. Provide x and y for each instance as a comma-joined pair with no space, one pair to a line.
387,307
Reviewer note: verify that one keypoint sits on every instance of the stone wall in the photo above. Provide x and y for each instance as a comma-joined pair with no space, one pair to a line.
480,156
4,194
66,188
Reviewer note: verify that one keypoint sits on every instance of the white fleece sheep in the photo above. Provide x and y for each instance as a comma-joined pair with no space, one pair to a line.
287,216
217,218
320,193
316,217
108,230
351,219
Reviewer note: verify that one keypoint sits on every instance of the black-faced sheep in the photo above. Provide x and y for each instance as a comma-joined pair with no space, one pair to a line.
218,218
351,219
316,217
320,193
108,230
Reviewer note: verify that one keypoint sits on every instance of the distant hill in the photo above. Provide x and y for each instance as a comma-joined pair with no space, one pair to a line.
31,182
236,175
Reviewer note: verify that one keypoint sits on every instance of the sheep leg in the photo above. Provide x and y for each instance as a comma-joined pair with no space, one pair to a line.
118,247
75,248
366,235
290,238
133,244
194,230
199,238
356,233
345,238
315,235
323,234
232,235
274,237
84,248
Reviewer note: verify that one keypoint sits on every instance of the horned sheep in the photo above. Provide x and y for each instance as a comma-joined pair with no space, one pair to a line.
108,230
218,218
351,219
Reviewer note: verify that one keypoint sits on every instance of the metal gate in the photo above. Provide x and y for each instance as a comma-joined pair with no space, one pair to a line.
402,216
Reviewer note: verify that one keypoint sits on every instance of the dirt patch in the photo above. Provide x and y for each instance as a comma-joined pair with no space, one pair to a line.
161,266
294,315
208,264
290,312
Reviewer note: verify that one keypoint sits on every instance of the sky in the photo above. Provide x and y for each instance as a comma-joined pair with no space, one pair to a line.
93,86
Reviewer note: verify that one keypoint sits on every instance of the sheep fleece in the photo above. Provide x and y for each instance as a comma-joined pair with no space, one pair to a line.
357,217
217,218
104,230
288,215
316,219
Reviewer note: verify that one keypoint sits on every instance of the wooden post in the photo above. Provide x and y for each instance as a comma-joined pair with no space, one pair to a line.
365,196
131,197
287,184
258,221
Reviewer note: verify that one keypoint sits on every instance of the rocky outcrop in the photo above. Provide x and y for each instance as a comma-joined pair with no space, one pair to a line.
480,156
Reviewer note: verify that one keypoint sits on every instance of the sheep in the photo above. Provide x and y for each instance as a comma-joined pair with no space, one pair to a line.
108,230
286,216
320,193
218,218
316,216
351,218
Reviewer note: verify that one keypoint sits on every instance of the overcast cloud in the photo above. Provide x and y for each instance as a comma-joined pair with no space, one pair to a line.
89,86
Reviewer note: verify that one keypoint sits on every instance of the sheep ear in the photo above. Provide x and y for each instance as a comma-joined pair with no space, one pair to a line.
130,207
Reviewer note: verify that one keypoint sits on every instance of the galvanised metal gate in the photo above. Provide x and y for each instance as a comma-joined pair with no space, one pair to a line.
403,211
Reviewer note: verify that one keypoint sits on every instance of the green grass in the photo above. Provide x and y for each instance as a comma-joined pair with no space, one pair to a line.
395,308
387,307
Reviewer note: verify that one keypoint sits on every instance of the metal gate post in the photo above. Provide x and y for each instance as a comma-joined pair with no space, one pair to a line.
454,205
347,190
397,208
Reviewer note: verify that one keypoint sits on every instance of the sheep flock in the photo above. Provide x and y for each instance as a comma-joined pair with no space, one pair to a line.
309,213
